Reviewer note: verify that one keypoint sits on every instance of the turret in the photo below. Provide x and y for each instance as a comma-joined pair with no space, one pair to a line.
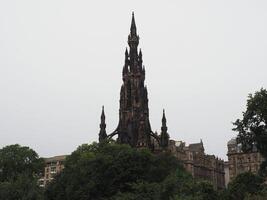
143,70
126,56
140,60
140,56
102,133
164,136
126,63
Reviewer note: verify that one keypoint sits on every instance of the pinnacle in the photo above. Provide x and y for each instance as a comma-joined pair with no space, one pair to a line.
140,52
103,112
133,26
163,117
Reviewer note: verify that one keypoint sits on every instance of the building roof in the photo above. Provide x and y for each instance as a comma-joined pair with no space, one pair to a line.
56,158
232,141
196,147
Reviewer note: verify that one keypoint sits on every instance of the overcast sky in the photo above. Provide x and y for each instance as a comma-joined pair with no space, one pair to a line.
61,60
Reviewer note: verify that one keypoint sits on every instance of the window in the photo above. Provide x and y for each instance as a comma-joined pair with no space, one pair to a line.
53,170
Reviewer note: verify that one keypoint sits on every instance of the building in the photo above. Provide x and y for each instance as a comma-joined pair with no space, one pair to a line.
198,163
240,161
226,173
134,126
53,166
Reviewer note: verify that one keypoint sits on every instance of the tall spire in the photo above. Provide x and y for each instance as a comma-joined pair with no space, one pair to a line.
164,136
133,41
134,126
103,117
164,127
133,26
102,133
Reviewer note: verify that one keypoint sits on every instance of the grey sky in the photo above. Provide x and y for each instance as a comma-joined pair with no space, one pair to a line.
61,60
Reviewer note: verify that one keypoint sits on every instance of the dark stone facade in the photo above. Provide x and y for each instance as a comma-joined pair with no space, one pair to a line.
134,126
199,164
240,162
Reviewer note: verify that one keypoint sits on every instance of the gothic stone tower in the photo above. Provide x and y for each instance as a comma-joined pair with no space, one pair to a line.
134,126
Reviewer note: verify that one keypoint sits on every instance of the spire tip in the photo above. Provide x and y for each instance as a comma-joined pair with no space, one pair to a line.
133,26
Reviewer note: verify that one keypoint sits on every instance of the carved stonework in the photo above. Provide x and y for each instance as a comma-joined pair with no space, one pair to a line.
134,126
240,161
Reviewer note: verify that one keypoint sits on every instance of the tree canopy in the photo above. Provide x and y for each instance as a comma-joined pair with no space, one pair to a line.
16,160
244,184
113,171
20,168
109,171
252,128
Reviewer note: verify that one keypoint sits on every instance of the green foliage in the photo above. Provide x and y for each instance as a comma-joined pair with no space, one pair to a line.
23,188
197,190
140,190
244,184
252,128
16,160
19,170
118,172
261,195
101,171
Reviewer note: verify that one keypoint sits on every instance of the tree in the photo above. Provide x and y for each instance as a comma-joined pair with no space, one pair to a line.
23,188
261,195
16,160
141,190
20,168
197,190
252,128
112,171
244,184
